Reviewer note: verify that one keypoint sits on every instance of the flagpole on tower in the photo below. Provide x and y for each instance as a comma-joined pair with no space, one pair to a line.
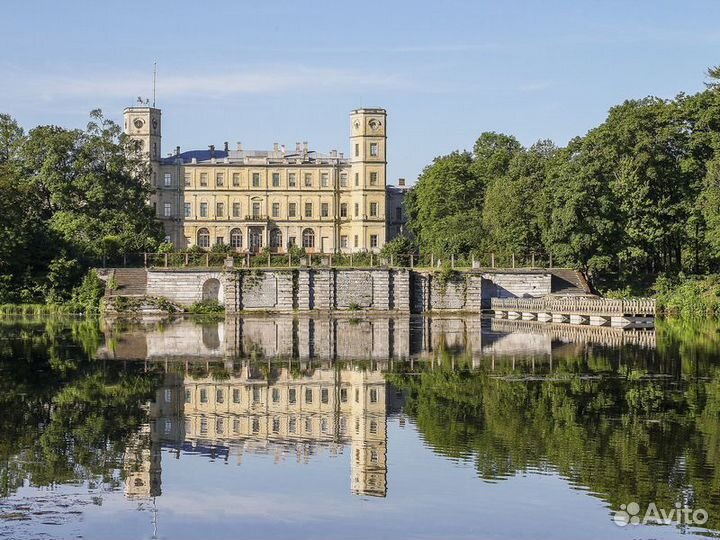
154,81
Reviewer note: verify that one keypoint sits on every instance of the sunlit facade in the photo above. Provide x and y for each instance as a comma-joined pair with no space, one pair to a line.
250,200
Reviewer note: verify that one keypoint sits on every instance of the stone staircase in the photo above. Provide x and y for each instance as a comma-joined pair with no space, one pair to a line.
569,283
130,281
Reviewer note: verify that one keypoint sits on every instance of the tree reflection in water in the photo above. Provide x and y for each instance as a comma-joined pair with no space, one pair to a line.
626,423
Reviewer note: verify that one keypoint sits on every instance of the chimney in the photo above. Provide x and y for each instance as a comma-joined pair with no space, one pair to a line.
305,146
297,147
177,150
212,150
333,153
239,146
227,148
401,182
276,147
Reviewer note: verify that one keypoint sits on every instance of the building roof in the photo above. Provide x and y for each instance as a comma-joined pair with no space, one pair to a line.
257,157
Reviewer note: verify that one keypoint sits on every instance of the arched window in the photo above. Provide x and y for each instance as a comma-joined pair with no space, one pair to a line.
308,238
275,238
236,238
203,238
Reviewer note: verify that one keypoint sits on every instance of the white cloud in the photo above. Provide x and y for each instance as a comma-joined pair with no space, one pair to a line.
48,86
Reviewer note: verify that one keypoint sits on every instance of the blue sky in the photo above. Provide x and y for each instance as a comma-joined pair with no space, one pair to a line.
276,71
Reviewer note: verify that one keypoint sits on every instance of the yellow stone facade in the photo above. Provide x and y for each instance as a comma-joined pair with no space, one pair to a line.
326,203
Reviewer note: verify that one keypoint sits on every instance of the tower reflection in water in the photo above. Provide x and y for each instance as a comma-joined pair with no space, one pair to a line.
294,387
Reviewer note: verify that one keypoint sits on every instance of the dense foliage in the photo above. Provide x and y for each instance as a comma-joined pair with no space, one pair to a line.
604,421
637,195
67,199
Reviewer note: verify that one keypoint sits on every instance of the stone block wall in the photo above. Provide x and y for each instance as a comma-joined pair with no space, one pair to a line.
515,285
184,287
377,289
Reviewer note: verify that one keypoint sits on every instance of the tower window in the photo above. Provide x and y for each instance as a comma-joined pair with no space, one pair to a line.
373,241
324,209
343,241
357,209
167,209
373,209
374,149
357,150
343,210
343,180
356,240
167,180
373,178
357,179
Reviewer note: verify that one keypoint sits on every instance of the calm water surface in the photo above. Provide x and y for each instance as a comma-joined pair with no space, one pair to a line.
355,428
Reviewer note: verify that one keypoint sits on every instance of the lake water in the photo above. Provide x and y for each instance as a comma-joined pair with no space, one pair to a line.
282,427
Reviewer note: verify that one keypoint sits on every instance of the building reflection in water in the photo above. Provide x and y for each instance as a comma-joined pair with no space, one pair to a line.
293,387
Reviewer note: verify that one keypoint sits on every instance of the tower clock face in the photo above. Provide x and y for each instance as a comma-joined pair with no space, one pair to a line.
374,124
138,123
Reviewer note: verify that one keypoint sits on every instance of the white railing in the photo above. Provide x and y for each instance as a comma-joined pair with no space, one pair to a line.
580,305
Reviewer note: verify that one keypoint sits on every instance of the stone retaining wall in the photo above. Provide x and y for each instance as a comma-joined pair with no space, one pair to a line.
323,289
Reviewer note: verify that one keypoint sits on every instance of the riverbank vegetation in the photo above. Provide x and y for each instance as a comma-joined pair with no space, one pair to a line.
636,197
68,199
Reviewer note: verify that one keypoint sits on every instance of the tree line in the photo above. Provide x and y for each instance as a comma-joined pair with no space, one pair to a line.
638,195
68,197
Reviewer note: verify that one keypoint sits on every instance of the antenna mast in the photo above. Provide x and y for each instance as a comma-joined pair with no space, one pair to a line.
154,81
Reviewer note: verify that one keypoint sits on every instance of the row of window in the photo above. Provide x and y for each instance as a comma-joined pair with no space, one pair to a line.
292,179
292,427
256,210
275,395
255,240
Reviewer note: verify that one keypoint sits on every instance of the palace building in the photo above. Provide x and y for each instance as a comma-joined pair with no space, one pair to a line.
326,203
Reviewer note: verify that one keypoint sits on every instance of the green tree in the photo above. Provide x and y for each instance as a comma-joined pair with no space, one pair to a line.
68,197
510,210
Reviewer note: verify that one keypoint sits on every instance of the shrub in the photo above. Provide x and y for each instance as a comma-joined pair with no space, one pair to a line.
207,306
